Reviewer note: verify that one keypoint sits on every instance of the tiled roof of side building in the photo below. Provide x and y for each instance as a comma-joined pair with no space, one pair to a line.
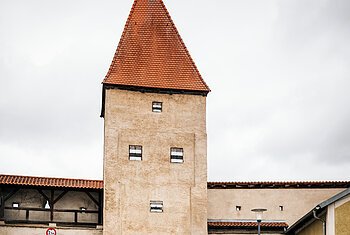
50,182
279,184
151,53
98,184
246,224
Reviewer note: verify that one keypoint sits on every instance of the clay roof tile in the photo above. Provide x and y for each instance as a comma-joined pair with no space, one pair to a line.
246,224
151,53
50,182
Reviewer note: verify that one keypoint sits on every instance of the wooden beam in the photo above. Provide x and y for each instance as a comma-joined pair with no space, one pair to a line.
92,198
59,197
8,196
59,223
55,210
44,195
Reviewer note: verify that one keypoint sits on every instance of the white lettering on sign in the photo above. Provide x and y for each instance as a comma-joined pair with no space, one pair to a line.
51,231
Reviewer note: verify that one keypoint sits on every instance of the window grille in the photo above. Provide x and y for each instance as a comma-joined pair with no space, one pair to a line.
157,106
156,206
135,152
176,155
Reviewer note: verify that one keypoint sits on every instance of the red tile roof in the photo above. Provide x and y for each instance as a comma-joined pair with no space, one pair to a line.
151,53
247,224
280,184
50,182
98,184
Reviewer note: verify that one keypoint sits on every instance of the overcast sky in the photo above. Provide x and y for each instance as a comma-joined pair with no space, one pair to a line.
279,73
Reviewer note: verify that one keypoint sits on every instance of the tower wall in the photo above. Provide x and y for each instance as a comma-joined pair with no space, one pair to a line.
131,185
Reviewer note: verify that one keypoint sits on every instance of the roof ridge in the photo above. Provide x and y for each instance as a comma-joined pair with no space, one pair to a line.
277,182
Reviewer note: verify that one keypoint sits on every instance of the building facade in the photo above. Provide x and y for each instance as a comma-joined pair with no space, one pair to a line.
330,217
154,110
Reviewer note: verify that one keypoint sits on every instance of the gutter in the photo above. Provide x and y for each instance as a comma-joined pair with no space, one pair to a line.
318,218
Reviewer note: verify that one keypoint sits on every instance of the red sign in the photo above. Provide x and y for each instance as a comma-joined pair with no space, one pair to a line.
51,231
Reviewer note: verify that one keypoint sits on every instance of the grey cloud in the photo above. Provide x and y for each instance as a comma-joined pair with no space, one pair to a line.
278,71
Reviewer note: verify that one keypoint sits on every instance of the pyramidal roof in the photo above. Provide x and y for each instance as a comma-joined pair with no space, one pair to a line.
151,53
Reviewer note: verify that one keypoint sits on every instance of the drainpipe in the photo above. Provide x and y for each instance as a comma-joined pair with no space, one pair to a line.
322,220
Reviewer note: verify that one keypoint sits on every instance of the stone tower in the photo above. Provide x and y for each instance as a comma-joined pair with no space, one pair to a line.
154,109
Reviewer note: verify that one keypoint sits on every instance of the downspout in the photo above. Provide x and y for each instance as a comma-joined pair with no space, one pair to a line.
322,220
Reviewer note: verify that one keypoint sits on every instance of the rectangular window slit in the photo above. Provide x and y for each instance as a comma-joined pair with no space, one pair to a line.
156,206
157,107
135,152
176,155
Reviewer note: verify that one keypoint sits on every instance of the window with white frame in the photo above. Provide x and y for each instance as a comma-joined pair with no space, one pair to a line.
176,155
135,152
157,106
156,206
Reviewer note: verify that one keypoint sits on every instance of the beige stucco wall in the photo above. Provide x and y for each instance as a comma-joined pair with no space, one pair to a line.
296,202
41,230
342,217
130,185
313,229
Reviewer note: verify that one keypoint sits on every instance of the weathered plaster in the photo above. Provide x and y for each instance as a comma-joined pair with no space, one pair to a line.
296,202
342,217
130,185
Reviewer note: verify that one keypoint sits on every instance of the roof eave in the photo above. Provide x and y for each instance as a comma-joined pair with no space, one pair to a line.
169,91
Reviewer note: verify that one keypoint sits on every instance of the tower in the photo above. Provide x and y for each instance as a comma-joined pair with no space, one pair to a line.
154,109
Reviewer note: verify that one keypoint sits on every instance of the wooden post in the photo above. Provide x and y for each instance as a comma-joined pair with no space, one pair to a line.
27,214
100,208
2,208
51,204
75,217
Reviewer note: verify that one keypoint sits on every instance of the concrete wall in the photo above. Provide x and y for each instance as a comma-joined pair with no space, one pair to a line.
342,217
130,185
41,230
296,202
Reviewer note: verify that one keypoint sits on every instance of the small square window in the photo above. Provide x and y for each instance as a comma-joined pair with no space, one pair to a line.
135,152
281,208
238,208
176,155
15,204
157,106
156,206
